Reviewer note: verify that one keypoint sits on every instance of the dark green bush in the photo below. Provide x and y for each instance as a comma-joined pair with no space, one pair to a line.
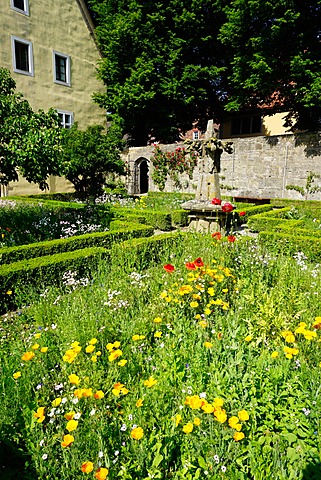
284,243
53,247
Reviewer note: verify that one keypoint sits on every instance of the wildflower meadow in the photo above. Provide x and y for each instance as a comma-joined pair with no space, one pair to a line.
203,366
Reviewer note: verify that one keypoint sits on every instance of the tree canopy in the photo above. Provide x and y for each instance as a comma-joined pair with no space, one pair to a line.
169,63
90,155
275,58
30,142
162,63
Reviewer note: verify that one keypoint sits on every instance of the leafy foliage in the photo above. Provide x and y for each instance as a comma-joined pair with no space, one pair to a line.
310,186
89,156
30,143
162,64
172,164
275,58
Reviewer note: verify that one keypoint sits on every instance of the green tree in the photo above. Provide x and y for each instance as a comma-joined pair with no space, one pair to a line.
90,155
30,142
275,58
163,65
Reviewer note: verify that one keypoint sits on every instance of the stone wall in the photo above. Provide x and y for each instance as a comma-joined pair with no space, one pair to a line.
260,167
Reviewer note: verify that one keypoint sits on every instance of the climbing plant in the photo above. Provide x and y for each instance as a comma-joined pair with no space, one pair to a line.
172,164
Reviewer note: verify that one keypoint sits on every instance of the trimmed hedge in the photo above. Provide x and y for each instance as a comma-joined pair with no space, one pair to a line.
180,218
288,244
143,252
267,220
52,247
156,218
43,271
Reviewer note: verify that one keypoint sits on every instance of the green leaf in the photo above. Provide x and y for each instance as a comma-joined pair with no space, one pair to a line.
202,463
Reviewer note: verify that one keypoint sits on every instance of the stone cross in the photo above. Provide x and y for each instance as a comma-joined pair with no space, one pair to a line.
208,185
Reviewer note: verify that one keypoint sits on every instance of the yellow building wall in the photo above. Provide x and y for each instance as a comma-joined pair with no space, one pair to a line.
54,26
271,125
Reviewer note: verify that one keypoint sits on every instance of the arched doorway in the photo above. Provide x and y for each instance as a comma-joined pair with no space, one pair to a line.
143,176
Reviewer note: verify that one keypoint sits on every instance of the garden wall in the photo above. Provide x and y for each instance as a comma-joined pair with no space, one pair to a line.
260,167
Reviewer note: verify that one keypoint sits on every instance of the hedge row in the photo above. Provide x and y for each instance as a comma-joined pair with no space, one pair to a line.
288,244
41,272
53,247
36,274
269,219
158,219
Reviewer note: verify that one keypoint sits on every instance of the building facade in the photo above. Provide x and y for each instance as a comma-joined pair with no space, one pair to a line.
50,50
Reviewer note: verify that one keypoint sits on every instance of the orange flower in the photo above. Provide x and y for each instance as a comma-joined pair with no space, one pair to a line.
137,433
169,268
199,262
87,467
217,235
190,266
231,238
99,394
101,473
27,356
67,440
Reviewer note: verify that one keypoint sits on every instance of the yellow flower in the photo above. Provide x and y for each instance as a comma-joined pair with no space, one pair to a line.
210,291
56,402
116,344
157,320
274,354
93,341
188,428
207,311
243,415
197,421
16,375
195,402
35,346
37,335
310,334
109,346
139,403
220,415
74,379
233,421
78,392
208,344
44,350
158,334
69,415
177,419
27,356
218,402
114,355
208,408
94,358
90,348
163,294
193,304
87,467
150,382
67,441
101,473
137,433
99,394
203,323
8,292
238,436
122,363
135,337
225,290
40,414
248,338
87,392
71,425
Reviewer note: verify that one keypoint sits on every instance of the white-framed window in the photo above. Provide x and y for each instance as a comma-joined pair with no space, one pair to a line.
61,68
66,118
196,135
22,56
21,6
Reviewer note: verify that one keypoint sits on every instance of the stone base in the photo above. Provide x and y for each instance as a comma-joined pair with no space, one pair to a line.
205,226
205,217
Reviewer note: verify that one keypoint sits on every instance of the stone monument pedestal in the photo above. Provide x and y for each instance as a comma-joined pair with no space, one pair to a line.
205,217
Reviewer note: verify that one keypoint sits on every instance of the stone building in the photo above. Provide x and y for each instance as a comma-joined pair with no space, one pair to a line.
50,50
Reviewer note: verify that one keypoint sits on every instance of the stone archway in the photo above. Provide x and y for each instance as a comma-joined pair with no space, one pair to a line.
142,175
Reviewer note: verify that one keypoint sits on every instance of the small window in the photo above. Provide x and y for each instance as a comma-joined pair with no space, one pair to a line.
195,135
246,125
61,66
21,6
66,118
22,56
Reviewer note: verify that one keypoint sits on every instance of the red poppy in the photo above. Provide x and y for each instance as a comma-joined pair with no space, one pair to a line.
231,238
227,207
217,235
169,268
216,201
242,214
199,262
190,266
